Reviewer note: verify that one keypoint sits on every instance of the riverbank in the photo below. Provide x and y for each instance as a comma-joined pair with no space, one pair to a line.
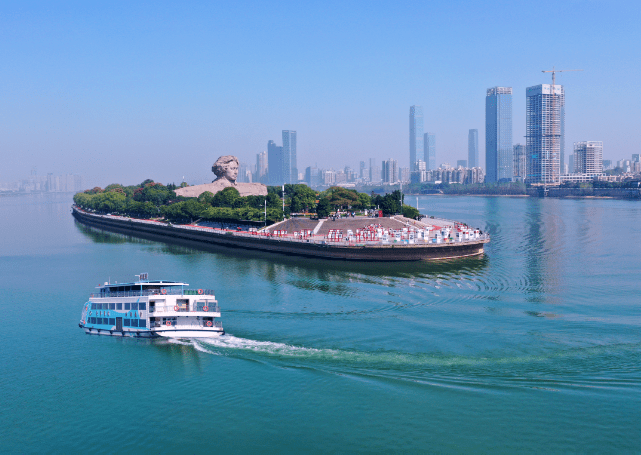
308,244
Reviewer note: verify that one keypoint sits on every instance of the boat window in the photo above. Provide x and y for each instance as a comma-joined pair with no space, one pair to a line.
100,306
127,322
112,321
112,306
142,306
127,306
98,321
92,320
134,322
118,306
134,306
94,306
142,323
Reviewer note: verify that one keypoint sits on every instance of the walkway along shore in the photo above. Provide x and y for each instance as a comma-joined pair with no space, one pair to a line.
310,246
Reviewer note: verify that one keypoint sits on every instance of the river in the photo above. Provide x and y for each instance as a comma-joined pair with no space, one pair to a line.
533,347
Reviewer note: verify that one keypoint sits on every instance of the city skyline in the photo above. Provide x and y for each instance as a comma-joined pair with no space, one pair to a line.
212,79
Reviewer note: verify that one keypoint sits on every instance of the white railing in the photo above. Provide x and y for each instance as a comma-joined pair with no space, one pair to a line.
213,308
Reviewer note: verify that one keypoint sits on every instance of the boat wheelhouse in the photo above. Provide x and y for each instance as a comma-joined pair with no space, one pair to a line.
151,309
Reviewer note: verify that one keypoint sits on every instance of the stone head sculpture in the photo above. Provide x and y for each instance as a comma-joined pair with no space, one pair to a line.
226,168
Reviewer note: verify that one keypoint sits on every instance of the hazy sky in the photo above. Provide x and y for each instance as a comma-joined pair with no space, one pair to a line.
124,91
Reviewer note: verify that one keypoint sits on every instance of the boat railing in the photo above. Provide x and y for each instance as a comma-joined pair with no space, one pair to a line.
159,324
211,308
153,292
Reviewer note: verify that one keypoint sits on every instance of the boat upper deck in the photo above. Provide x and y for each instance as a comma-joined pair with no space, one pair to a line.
148,288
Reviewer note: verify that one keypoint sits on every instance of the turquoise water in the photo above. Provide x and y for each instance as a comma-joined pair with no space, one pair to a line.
534,347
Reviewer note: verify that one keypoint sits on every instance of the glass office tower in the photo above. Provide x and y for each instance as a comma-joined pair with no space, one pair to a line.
429,139
416,135
290,166
473,149
275,164
498,134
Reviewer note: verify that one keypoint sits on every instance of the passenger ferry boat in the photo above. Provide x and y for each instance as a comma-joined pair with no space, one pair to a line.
151,309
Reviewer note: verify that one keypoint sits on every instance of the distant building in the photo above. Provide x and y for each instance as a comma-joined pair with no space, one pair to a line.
473,148
416,135
245,172
545,133
329,178
607,164
275,164
588,157
389,171
374,171
461,163
571,164
362,170
404,174
520,161
313,176
290,165
429,141
261,167
498,134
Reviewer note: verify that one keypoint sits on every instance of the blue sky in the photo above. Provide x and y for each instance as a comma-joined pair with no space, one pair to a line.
134,90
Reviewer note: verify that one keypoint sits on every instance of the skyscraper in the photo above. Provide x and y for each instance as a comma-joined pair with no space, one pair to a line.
416,135
389,173
520,160
545,133
498,134
374,171
429,140
473,148
261,167
275,164
588,157
290,166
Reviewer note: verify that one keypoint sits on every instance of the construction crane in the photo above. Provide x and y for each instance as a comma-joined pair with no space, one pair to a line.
553,122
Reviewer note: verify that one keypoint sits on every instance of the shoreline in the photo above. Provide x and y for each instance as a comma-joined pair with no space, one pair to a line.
320,249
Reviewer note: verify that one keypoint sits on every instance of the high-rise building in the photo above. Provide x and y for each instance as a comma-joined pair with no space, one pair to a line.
588,157
429,141
290,165
498,134
374,171
313,176
362,170
520,161
545,133
571,164
473,148
416,135
275,164
635,157
404,174
261,167
461,163
245,173
389,172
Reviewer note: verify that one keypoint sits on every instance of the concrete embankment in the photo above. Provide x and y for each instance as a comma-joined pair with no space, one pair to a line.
316,249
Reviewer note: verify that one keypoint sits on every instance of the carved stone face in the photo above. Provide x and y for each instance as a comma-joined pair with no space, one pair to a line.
226,167
231,171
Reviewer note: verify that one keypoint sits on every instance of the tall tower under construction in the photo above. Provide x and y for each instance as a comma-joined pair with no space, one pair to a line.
545,133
